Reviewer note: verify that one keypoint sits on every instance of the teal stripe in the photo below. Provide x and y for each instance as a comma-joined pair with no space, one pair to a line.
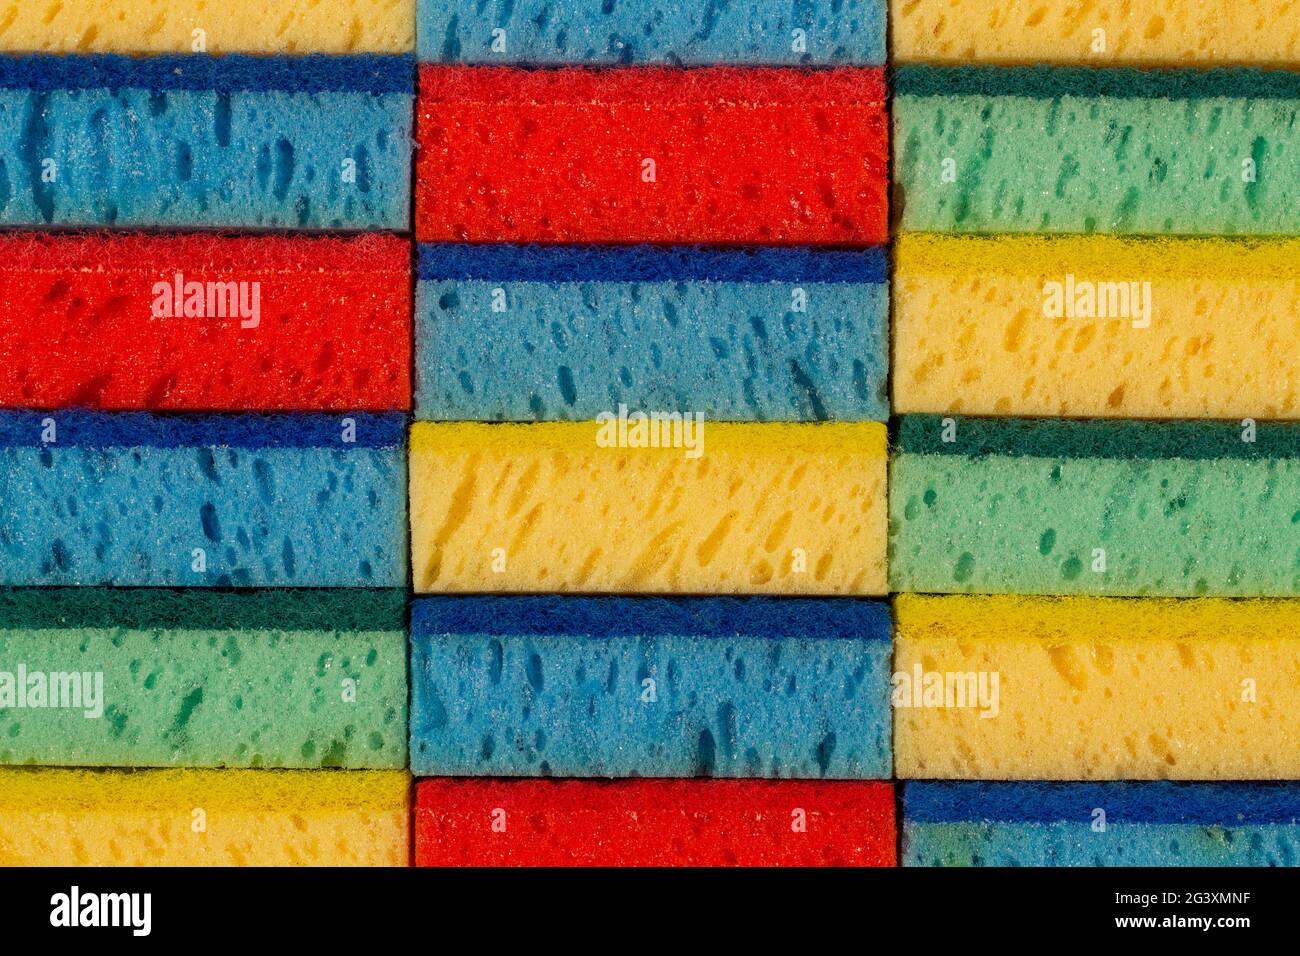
1051,82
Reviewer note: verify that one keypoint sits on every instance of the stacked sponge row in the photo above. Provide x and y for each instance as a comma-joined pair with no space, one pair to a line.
184,417
1096,251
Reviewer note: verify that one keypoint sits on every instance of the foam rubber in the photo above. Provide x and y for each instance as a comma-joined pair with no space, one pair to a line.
766,508
196,678
972,333
61,817
647,687
1110,824
1034,506
526,333
86,325
1099,689
653,823
132,498
708,155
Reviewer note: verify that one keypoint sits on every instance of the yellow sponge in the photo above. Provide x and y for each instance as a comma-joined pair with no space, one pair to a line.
1060,326
1097,689
227,26
765,508
1148,32
203,817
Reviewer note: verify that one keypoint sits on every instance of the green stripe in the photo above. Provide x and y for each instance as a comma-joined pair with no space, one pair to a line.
1096,438
1051,82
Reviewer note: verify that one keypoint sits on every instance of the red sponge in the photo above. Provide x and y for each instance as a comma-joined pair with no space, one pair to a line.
205,322
720,155
487,822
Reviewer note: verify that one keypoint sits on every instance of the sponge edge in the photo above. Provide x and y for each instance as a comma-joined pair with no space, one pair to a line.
1096,688
763,508
251,818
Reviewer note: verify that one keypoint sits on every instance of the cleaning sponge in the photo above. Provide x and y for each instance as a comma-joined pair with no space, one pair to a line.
203,322
646,687
1096,689
587,506
653,823
250,501
1097,325
716,155
111,677
694,32
1071,150
1096,507
537,332
1112,824
203,818
314,142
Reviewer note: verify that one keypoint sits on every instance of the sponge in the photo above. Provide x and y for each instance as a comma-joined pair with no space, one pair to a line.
274,323
1071,150
716,155
653,823
203,818
646,687
1171,32
538,332
109,677
585,506
314,142
131,498
695,32
1097,325
1111,824
1096,507
251,26
1096,689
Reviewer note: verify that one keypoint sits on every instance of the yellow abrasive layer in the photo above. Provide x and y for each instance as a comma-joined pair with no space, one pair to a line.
1097,688
1097,32
766,508
982,326
207,26
58,817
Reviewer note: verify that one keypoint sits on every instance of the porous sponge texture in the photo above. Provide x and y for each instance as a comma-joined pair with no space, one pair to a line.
251,26
653,823
1173,32
971,333
204,679
1103,689
768,508
693,33
1062,151
618,687
652,155
1171,509
56,817
319,324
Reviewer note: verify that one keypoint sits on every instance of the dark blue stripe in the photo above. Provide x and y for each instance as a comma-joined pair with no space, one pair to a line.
84,429
650,616
1206,804
229,73
534,263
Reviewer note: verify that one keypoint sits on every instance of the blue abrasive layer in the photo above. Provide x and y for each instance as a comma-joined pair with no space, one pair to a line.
620,687
72,428
686,32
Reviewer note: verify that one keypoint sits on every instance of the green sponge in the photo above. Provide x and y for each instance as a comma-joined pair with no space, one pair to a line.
155,678
1095,507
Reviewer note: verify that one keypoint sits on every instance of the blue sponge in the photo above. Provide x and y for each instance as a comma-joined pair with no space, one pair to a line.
239,500
684,32
1110,824
652,687
312,142
523,333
